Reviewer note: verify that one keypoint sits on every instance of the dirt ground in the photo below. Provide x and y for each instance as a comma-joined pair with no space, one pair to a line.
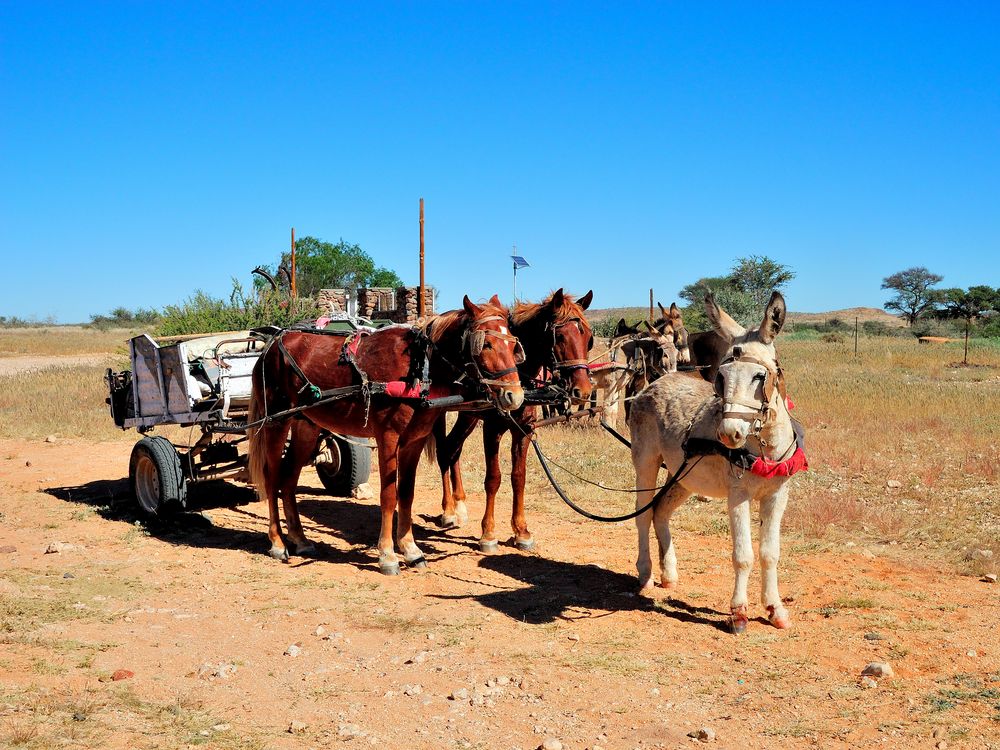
230,648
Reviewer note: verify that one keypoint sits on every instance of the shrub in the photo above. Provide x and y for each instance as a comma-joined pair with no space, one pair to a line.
832,338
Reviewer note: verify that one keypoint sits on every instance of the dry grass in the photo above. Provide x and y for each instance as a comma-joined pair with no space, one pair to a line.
57,340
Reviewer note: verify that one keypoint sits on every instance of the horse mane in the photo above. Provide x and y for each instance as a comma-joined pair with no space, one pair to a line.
437,327
526,312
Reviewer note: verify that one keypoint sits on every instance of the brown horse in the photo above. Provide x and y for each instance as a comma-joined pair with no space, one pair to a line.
379,379
558,337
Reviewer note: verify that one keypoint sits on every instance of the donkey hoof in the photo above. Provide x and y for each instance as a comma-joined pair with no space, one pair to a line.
449,522
779,619
278,553
418,562
388,568
488,545
738,621
525,545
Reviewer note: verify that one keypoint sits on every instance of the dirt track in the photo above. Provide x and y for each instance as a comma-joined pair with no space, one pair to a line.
554,644
17,365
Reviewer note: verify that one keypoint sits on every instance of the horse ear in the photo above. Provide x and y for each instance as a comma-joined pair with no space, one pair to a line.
470,307
585,300
495,301
663,310
675,312
557,299
774,318
724,325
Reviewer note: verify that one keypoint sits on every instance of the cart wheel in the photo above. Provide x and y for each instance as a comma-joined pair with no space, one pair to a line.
155,476
341,477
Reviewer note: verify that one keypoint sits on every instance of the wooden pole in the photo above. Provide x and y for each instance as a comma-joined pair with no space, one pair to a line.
967,323
294,291
421,291
651,305
856,336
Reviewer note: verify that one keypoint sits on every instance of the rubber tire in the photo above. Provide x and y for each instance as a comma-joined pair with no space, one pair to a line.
354,470
157,456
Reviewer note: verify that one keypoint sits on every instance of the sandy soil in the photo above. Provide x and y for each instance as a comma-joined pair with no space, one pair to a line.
553,644
18,364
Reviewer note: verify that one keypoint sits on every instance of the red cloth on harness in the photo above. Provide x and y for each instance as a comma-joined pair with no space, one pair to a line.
399,389
763,467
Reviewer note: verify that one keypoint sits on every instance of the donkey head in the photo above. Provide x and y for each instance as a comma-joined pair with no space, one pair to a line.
665,356
675,320
749,379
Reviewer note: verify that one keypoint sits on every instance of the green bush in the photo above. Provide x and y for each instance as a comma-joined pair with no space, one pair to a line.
121,317
202,313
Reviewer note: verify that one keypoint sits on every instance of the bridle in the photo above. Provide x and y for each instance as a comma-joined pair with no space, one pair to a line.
474,339
760,410
565,366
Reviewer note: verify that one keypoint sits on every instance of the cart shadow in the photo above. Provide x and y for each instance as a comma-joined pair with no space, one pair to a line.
559,590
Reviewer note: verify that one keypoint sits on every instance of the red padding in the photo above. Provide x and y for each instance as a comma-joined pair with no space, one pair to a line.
399,389
762,467
789,403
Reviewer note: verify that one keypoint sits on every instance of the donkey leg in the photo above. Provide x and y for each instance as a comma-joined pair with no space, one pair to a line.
388,563
646,465
661,523
771,510
301,448
739,527
519,460
491,447
409,457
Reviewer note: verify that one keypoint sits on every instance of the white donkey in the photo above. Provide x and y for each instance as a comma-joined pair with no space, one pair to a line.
744,420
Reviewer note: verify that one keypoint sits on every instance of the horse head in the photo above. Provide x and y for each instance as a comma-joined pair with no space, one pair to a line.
572,340
493,353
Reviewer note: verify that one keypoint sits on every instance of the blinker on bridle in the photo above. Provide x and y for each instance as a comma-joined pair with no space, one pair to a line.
476,340
761,410
566,365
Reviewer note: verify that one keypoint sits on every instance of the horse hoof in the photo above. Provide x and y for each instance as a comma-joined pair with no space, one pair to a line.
489,545
525,545
417,562
389,568
449,522
306,550
279,553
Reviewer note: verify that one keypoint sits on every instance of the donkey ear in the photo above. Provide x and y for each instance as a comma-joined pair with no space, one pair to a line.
774,318
663,310
675,312
495,301
724,325
470,307
585,300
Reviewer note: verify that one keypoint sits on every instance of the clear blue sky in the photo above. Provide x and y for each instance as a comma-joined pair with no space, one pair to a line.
151,148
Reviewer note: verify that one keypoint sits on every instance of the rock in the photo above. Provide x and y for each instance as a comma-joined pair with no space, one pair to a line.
412,690
418,658
363,492
221,727
971,653
551,743
320,631
503,680
874,637
877,669
459,695
210,672
57,548
297,727
655,692
51,439
347,731
293,650
68,575
893,484
705,734
79,716
990,578
939,733
7,549
27,463
122,674
941,745
980,554
867,683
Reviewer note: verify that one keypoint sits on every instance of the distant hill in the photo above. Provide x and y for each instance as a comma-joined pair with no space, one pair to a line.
847,315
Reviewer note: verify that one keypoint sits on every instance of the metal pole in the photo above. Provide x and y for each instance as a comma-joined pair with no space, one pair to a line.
293,265
650,305
421,292
515,281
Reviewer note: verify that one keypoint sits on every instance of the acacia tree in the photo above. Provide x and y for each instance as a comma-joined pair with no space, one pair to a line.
325,265
743,293
968,305
914,293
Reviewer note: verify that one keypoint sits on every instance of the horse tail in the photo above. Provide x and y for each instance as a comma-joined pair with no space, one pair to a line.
430,447
256,434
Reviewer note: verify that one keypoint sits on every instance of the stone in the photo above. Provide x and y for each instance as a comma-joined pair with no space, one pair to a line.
51,439
971,653
222,671
57,548
941,745
459,695
551,743
7,549
122,674
418,658
655,692
293,650
893,484
68,575
503,680
867,683
27,463
705,734
412,690
221,727
297,727
320,631
874,637
363,491
990,578
939,733
79,716
877,669
346,731
980,554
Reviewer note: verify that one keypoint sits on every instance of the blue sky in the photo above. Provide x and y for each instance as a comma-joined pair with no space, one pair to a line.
149,149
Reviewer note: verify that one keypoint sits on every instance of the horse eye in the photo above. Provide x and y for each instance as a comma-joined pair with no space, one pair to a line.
487,345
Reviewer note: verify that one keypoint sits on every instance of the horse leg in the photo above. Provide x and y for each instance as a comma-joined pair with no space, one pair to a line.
272,444
519,443
771,510
453,510
647,466
661,523
409,457
492,433
388,563
301,448
739,527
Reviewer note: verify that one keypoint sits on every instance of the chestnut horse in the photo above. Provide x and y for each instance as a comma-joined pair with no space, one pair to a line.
463,352
558,337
